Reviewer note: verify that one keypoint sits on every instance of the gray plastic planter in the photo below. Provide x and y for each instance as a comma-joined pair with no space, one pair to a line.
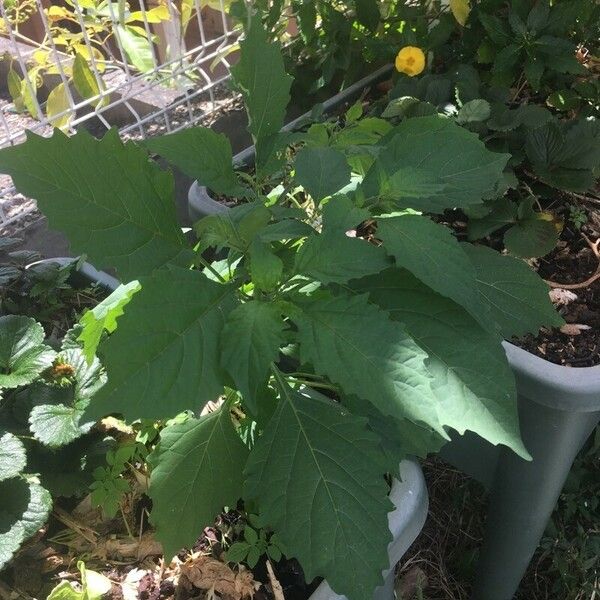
201,204
559,407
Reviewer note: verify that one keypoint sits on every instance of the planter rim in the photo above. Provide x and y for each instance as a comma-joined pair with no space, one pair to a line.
576,389
85,269
199,199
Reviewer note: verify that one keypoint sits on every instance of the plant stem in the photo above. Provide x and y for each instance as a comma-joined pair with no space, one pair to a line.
210,268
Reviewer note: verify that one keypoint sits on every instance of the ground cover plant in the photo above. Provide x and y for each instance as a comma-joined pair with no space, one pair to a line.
330,276
46,382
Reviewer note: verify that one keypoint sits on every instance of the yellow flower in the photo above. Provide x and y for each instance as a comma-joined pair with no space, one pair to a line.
410,60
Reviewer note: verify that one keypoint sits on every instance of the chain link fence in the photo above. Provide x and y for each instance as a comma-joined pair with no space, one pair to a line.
143,66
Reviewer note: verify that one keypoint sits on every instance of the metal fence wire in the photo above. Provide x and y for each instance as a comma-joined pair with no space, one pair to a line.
143,66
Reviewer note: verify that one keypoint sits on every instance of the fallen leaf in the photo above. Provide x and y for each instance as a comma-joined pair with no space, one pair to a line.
129,586
562,297
573,328
275,585
208,574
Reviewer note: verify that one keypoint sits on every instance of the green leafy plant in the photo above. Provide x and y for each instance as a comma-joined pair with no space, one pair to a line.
331,277
256,542
532,43
546,153
44,395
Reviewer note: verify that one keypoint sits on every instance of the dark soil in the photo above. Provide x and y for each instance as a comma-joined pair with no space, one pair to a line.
572,262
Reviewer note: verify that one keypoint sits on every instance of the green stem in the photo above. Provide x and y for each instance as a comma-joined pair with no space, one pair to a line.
210,268
314,384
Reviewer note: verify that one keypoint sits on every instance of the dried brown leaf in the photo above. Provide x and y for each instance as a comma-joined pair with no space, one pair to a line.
206,573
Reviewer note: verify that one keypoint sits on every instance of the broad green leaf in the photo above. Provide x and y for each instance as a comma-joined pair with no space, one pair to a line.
433,254
461,10
250,342
516,296
503,213
341,214
356,345
367,13
56,105
12,456
472,379
288,229
265,267
265,86
55,419
473,111
400,438
84,79
113,204
410,182
137,47
531,238
23,355
196,471
235,228
430,144
163,358
25,508
316,474
334,257
321,171
202,154
103,317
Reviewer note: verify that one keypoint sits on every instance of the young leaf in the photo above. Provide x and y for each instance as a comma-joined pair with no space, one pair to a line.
264,84
162,361
83,78
250,342
461,10
23,356
321,171
103,317
112,203
58,103
429,145
516,296
202,154
471,376
356,345
265,266
433,254
138,49
55,419
196,471
12,456
316,473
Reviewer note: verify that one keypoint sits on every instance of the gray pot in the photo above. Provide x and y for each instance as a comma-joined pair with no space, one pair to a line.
559,407
200,202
